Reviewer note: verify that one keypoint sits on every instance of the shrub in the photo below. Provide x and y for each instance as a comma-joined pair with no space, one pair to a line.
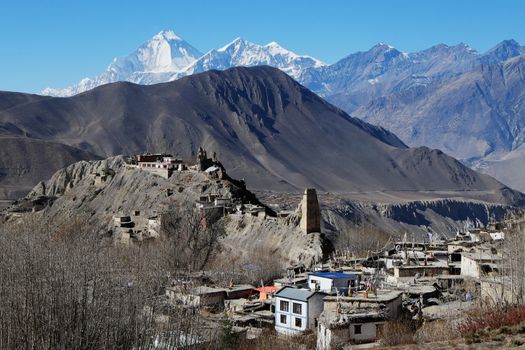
492,318
521,328
499,337
505,330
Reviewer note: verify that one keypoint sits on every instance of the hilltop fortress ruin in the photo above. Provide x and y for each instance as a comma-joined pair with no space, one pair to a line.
130,198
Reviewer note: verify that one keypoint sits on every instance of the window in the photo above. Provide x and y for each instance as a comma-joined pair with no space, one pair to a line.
316,283
284,305
297,309
357,329
283,319
379,329
298,322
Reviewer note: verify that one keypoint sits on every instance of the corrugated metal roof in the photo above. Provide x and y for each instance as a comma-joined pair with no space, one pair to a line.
294,293
334,275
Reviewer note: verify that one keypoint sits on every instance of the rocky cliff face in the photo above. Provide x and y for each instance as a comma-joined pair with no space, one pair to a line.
76,191
442,217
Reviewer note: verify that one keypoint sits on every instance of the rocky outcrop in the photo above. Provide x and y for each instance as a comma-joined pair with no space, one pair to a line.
103,190
68,177
275,236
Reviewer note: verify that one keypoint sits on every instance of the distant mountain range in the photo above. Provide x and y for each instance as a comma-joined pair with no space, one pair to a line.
468,104
264,126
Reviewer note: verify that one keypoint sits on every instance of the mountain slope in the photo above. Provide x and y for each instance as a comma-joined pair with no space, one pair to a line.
263,125
468,104
477,116
25,161
362,76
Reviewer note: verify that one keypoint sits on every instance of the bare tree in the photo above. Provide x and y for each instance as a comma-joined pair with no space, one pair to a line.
194,235
60,288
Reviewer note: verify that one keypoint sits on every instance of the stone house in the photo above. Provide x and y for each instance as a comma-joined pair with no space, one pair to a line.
479,264
198,296
356,319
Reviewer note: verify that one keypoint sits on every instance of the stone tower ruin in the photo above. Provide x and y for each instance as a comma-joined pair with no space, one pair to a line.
310,212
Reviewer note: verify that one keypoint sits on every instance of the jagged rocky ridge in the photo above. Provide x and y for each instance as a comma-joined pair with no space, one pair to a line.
369,220
72,192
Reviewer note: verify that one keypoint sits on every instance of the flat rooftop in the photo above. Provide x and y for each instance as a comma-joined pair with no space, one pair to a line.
381,296
481,256
430,265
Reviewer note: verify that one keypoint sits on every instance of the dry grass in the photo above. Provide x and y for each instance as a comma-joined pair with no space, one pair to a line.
271,340
399,333
435,331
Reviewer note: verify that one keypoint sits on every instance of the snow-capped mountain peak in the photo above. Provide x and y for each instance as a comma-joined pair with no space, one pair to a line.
232,44
384,46
240,52
167,56
154,61
167,35
165,52
277,49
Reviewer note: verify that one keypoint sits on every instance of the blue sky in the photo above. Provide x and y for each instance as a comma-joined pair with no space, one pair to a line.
56,43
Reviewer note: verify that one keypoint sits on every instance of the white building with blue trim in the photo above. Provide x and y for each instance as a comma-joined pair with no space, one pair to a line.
333,282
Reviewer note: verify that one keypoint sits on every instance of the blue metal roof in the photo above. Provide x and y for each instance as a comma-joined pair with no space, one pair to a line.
334,275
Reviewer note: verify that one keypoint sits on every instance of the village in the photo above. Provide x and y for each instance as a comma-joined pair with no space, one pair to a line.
345,299
351,300
342,300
